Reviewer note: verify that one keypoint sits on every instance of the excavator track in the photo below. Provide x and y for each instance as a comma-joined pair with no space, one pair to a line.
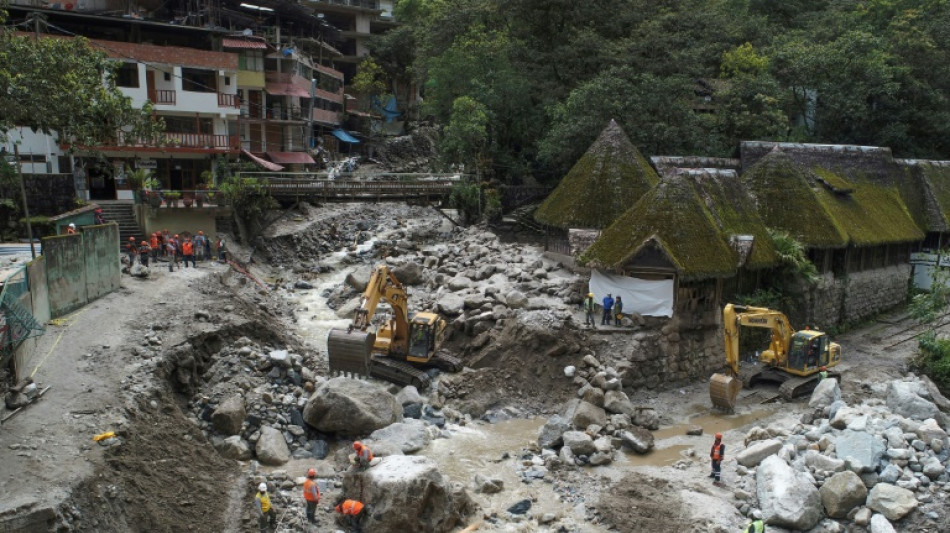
446,363
398,372
794,387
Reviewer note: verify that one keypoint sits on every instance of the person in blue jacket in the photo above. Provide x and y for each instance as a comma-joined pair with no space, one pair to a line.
608,302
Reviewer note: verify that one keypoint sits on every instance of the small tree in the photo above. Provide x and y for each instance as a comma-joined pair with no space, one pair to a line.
250,200
933,357
466,137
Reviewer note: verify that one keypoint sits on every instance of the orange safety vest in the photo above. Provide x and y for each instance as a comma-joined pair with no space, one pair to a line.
311,492
365,454
717,452
350,508
154,241
187,248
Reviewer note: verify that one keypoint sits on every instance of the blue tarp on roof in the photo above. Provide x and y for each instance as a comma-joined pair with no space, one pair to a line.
345,137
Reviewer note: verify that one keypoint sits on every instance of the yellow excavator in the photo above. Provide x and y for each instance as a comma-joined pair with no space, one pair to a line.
400,348
793,359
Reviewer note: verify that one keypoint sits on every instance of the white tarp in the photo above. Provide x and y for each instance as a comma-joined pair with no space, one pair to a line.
644,296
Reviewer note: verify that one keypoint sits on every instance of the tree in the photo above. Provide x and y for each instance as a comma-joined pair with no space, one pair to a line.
65,87
370,80
466,136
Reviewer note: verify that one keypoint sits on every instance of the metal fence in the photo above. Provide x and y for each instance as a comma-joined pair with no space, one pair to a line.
16,319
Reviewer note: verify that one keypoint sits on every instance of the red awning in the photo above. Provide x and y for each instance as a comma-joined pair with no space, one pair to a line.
290,158
285,89
262,162
243,43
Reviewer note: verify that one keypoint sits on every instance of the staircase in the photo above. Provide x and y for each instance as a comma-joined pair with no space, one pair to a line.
121,212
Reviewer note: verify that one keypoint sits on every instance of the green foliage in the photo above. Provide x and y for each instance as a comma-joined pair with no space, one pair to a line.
934,359
771,298
743,61
793,258
79,100
466,136
475,201
369,79
250,200
929,308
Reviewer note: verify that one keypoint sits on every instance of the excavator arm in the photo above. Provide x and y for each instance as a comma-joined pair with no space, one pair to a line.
384,286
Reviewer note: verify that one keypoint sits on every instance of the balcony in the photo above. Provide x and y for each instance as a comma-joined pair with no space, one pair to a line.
228,100
326,117
202,140
163,97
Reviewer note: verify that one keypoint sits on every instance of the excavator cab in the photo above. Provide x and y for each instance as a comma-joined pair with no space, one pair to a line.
808,351
425,331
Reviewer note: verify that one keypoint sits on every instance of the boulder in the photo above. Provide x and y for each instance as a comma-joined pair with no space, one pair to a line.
787,497
229,417
586,414
637,439
516,300
841,493
891,501
351,407
579,442
844,416
823,463
271,448
409,273
646,417
549,436
753,455
616,401
139,271
929,430
410,435
890,474
486,485
234,447
861,451
408,493
409,394
451,304
903,398
459,283
880,524
933,468
826,393
359,278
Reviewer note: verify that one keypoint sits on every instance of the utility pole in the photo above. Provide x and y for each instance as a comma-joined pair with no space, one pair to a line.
313,89
26,208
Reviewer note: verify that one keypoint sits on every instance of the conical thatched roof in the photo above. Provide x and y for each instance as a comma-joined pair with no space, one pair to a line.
606,181
925,190
674,219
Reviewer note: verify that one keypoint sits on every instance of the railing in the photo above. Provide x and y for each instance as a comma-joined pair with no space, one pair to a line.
327,189
169,198
165,97
284,113
366,4
202,140
228,100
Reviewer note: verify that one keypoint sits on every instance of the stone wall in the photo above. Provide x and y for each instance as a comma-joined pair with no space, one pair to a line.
667,356
46,194
857,296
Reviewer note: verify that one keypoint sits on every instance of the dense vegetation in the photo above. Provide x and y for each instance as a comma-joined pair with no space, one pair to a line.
524,86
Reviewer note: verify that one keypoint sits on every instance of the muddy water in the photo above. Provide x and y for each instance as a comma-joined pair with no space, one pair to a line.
713,423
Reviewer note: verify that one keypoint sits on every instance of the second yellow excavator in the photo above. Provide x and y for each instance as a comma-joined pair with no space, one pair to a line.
400,348
794,358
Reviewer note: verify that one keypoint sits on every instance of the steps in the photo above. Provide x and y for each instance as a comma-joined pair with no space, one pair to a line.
121,212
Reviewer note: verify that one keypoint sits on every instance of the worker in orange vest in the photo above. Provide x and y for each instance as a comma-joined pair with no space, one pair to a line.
717,454
364,456
188,252
132,250
311,494
153,242
350,511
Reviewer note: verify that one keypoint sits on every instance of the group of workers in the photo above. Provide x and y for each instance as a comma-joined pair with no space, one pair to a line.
613,310
176,249
350,511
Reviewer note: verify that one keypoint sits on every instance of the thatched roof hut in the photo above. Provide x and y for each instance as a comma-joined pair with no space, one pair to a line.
606,181
685,224
829,206
926,191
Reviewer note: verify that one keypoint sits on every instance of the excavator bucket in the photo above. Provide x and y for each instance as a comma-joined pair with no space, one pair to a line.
349,352
723,391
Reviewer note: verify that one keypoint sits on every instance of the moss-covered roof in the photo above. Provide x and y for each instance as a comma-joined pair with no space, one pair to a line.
785,200
734,213
673,217
606,181
925,189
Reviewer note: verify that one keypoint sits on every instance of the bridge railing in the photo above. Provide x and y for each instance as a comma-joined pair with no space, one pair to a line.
284,187
357,176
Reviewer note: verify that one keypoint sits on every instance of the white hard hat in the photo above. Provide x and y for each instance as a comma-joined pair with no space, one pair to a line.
262,487
71,225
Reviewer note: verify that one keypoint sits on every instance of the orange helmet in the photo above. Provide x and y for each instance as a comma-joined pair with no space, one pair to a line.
144,243
823,368
311,473
718,436
132,239
176,235
357,445
200,232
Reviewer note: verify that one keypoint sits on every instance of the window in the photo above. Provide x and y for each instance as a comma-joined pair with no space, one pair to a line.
227,81
251,60
127,75
188,125
167,76
198,80
328,83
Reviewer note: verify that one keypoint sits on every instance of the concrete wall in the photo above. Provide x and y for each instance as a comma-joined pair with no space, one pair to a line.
178,219
101,245
37,144
39,290
81,267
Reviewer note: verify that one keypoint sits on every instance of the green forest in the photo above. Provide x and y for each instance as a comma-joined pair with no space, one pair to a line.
522,87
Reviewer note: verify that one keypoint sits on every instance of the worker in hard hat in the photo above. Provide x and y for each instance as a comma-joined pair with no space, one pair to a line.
311,495
71,229
265,511
350,512
823,373
717,454
589,310
144,251
363,456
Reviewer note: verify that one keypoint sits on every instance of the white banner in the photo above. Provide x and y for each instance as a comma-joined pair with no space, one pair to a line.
647,297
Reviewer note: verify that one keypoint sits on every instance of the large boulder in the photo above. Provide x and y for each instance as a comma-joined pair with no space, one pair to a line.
271,448
409,394
549,436
233,447
891,501
616,401
787,497
359,278
579,442
409,273
826,393
451,304
516,300
410,435
843,492
637,439
753,455
586,413
904,398
408,493
861,450
228,418
351,407
880,524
